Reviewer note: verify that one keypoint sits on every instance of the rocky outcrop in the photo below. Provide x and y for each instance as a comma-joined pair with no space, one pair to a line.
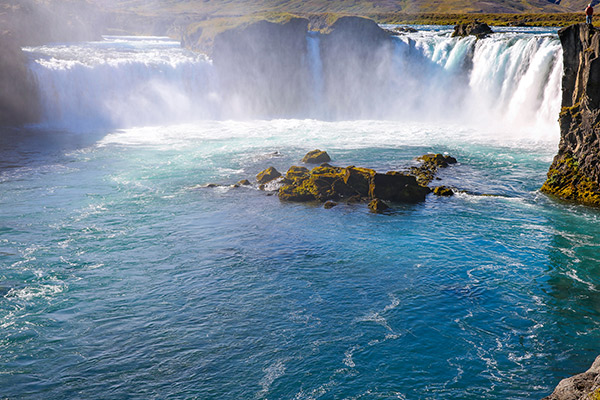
316,157
475,28
575,171
354,184
259,68
267,175
363,45
585,386
265,68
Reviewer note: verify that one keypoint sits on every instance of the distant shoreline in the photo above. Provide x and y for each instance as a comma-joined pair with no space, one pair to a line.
526,19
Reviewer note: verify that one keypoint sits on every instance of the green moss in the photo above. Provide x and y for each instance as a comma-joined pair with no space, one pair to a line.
595,395
565,180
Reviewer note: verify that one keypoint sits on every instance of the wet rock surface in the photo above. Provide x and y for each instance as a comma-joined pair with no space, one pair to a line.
575,171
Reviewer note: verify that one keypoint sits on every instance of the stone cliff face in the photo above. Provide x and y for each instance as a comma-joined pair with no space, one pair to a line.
19,101
575,171
259,67
585,386
34,22
266,68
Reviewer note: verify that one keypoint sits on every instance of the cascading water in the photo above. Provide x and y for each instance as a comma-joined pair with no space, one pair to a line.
122,81
509,80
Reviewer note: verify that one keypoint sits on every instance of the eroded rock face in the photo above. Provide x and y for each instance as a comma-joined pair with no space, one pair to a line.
585,386
259,68
19,100
575,171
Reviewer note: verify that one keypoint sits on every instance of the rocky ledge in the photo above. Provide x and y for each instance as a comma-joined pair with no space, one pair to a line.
575,172
328,184
585,386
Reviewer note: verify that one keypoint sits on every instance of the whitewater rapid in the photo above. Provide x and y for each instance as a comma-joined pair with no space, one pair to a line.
510,81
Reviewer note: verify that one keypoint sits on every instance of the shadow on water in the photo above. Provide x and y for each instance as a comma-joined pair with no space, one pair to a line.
573,289
20,147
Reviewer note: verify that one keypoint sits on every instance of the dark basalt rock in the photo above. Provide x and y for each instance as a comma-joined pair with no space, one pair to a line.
575,172
397,187
475,28
378,206
443,191
267,175
585,386
316,157
329,204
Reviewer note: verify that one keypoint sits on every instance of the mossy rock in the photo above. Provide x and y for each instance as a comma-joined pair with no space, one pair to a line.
443,191
565,180
267,175
378,206
316,157
438,159
244,182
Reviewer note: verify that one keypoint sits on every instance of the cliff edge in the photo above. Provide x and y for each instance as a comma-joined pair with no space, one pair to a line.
575,172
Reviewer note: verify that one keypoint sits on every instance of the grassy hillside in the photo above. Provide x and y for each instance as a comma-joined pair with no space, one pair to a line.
356,7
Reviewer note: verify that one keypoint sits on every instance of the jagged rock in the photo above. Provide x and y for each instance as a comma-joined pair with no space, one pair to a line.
329,204
316,157
575,171
443,191
267,175
397,187
378,206
244,182
475,28
585,386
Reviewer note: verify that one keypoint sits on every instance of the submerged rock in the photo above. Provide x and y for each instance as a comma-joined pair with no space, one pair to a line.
585,386
267,175
475,28
378,206
575,171
316,157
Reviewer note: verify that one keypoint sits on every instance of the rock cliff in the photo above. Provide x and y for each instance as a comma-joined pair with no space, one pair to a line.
575,171
267,68
260,67
585,386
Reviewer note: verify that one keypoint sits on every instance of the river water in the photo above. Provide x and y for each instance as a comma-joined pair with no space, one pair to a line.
122,276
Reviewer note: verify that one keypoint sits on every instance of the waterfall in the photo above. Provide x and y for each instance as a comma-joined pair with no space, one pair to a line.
509,80
121,82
